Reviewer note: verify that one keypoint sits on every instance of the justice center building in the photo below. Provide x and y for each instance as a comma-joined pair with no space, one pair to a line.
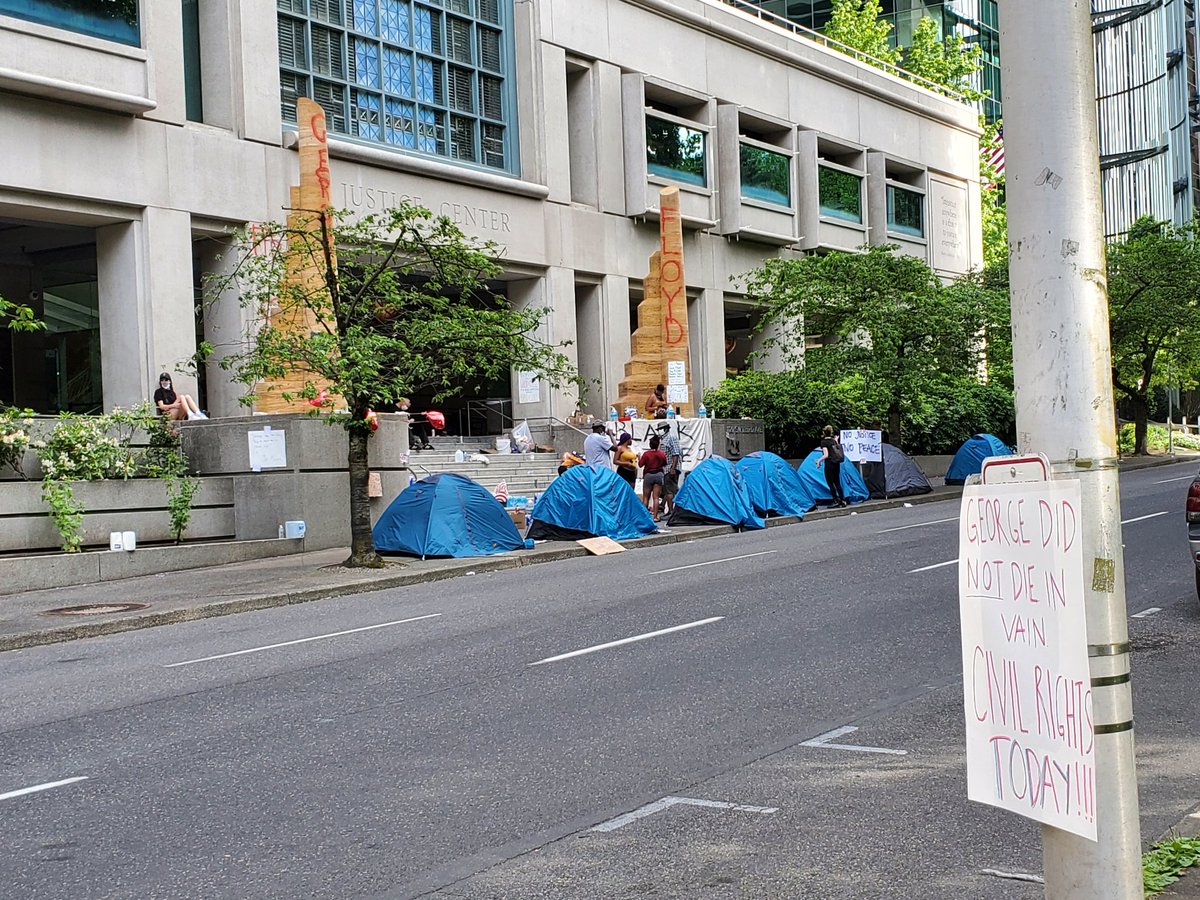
137,134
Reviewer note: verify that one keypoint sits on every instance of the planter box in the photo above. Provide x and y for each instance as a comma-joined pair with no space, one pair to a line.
139,504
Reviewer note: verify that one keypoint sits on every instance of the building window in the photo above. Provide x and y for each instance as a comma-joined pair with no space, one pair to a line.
766,175
841,194
193,83
676,152
113,20
434,77
905,211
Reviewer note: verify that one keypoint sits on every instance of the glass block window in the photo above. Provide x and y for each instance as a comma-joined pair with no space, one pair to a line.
676,152
905,211
111,20
841,194
766,175
432,76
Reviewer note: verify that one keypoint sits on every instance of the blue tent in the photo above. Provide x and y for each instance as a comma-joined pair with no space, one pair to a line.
854,489
715,493
970,456
585,502
775,488
446,515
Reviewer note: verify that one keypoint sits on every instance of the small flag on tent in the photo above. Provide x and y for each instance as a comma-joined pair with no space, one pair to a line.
502,492
412,479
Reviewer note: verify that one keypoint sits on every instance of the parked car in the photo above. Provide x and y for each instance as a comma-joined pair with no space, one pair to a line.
1193,525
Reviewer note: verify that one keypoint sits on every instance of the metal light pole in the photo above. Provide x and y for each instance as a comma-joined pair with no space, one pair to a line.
1062,370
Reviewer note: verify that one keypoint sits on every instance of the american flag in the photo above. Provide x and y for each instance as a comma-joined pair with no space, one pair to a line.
502,492
992,158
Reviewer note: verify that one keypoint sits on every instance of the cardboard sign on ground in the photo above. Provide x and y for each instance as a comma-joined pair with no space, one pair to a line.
601,546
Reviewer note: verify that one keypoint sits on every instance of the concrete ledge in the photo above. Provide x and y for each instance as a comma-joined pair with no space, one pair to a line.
36,573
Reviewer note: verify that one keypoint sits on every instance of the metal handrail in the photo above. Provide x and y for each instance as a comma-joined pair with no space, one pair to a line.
801,31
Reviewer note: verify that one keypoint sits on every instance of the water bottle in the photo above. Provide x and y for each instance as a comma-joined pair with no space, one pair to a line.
670,411
612,415
702,412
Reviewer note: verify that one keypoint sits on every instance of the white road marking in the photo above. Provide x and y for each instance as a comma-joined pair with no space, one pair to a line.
42,787
1144,518
712,562
918,525
949,562
1014,876
824,741
1181,478
628,640
319,637
1146,612
667,802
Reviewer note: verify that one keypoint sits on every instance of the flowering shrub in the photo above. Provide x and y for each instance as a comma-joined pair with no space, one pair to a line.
15,437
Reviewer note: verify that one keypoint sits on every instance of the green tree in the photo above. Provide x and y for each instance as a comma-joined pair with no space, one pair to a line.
884,315
399,303
1154,311
859,25
18,317
949,61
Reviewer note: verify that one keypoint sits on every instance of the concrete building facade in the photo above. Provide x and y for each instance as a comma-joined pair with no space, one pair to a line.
137,136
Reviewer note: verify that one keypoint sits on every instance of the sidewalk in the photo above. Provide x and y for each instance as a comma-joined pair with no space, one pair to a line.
27,619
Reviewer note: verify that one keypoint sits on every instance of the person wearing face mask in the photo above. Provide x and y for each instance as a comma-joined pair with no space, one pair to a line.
175,406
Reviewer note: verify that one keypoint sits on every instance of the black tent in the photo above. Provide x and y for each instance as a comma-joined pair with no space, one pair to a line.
897,476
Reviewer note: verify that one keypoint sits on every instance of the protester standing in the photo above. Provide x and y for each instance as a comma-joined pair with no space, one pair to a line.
656,403
598,447
674,454
653,462
626,459
832,456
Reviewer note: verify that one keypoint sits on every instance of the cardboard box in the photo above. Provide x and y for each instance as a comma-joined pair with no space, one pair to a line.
518,518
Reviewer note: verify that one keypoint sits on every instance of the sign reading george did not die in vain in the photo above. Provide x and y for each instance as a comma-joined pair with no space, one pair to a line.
1026,679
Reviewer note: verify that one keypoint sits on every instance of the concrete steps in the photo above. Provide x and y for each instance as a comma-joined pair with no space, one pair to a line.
526,474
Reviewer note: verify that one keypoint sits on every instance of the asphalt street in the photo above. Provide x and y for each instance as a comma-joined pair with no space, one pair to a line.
686,721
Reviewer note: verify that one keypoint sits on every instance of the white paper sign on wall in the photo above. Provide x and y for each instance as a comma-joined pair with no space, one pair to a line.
677,393
268,449
529,388
862,446
1026,679
676,371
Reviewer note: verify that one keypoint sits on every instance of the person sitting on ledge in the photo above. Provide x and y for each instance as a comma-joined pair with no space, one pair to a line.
175,406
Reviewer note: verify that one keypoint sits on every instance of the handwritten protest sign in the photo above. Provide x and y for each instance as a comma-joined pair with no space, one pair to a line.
1026,682
862,446
268,449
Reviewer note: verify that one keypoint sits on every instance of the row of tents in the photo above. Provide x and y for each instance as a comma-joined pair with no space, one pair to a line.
450,515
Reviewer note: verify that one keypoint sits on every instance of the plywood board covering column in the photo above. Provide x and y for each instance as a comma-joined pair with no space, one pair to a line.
662,332
310,201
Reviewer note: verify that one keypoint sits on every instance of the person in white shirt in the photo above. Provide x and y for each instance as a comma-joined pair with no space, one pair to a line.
598,447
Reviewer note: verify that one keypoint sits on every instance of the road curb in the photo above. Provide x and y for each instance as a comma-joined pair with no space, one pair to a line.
485,565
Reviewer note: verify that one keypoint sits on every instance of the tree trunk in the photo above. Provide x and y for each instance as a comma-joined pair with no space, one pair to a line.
894,436
1141,413
362,545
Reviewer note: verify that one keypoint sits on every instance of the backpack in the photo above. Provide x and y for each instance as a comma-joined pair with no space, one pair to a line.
836,453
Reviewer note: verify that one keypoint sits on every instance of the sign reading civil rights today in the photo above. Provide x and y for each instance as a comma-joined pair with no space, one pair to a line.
861,445
1026,680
